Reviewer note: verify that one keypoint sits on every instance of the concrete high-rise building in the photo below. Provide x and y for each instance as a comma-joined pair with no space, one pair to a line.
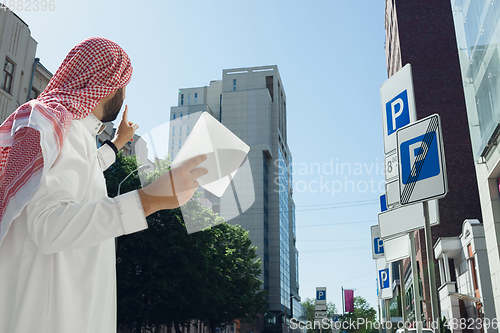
23,76
251,102
477,26
421,33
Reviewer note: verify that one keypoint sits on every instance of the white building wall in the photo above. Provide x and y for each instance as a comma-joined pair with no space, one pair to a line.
17,45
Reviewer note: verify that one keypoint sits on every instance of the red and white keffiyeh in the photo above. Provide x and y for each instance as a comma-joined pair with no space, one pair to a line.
32,137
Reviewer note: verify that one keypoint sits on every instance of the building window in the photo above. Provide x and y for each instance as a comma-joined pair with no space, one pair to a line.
189,99
195,98
173,116
189,115
180,130
182,99
181,115
180,143
173,130
234,84
34,93
8,72
173,141
188,130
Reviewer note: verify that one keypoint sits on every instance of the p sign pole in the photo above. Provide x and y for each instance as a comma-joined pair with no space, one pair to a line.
320,306
398,105
422,178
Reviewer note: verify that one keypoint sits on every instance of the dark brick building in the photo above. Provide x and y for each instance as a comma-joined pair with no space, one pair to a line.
422,33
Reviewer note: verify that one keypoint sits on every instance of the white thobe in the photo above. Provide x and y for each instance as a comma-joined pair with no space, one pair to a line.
57,261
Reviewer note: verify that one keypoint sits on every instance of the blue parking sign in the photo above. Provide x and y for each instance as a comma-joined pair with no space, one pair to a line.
321,295
421,163
383,275
397,112
415,165
378,245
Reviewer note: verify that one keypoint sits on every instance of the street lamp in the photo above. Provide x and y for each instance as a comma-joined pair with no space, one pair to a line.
142,167
284,324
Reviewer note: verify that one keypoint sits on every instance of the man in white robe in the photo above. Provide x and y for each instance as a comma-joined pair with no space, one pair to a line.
57,225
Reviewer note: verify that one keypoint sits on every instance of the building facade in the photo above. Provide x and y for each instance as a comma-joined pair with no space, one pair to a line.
251,103
422,33
477,36
465,290
23,76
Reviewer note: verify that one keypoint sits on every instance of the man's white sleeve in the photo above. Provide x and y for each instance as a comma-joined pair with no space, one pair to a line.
71,208
106,156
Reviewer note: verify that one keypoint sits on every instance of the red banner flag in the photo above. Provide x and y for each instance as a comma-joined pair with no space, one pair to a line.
349,300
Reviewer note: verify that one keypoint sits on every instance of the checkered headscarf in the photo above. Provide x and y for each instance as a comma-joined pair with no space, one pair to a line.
31,138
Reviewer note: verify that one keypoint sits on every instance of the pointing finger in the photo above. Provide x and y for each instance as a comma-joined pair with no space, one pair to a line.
125,114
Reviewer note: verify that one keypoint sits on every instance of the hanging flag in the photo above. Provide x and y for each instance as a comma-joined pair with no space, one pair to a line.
349,300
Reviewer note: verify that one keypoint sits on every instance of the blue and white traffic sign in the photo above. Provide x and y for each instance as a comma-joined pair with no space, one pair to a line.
421,161
383,277
412,152
397,112
398,105
320,295
383,203
377,243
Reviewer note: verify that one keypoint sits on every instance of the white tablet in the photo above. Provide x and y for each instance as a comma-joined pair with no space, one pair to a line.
225,153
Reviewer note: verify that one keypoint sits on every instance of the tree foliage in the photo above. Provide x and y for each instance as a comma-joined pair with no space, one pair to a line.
165,276
362,310
310,303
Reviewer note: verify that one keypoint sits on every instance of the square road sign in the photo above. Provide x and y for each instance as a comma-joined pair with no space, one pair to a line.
421,162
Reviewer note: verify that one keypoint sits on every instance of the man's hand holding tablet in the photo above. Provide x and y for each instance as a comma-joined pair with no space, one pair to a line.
174,188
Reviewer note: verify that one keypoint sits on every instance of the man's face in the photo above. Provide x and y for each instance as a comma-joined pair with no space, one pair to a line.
112,108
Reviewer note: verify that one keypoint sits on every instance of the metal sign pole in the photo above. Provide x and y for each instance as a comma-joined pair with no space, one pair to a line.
403,294
379,316
416,286
430,264
343,301
388,307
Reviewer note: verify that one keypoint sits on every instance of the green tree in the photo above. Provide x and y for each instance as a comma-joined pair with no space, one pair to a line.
167,277
362,310
309,304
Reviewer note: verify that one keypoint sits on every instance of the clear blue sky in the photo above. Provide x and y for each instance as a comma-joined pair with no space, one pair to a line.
331,58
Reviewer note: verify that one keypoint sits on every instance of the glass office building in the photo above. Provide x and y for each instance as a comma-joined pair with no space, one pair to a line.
477,27
478,35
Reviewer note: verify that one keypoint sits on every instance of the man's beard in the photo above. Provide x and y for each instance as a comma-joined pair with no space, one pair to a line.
111,108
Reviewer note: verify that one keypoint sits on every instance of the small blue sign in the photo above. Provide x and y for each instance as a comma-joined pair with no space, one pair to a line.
383,203
321,295
378,245
397,112
412,158
335,318
384,278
